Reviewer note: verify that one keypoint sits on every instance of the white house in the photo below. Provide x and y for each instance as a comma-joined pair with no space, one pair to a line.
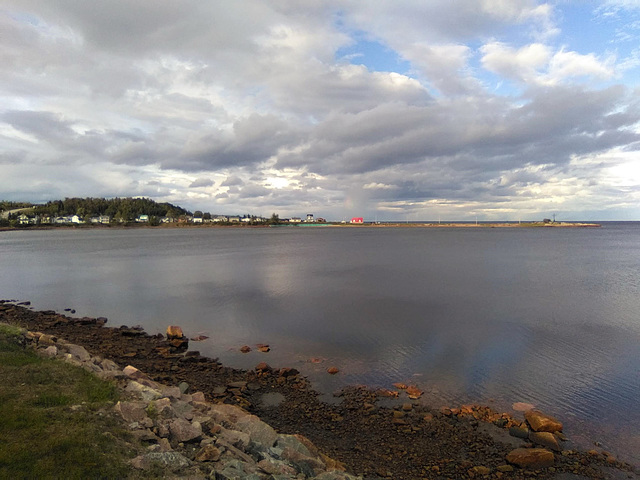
142,219
295,220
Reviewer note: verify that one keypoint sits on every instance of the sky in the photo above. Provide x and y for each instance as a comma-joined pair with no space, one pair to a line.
391,110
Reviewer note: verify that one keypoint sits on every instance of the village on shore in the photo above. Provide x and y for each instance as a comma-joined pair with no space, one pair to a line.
146,212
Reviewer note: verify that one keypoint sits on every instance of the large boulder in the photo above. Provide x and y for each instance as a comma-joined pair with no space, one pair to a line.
541,422
259,431
531,458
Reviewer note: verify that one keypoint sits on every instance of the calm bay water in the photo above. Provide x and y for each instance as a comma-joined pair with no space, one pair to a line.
545,316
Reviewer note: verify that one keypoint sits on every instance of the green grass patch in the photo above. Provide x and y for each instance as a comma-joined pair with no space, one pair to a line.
57,420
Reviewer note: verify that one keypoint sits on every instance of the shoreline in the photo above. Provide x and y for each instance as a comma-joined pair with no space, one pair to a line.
406,441
313,225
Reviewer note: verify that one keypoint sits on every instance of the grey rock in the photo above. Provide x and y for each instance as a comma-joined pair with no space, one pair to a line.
109,365
185,431
258,430
142,391
78,352
235,438
50,351
133,412
184,387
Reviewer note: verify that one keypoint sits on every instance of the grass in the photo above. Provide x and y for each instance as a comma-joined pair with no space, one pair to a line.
56,419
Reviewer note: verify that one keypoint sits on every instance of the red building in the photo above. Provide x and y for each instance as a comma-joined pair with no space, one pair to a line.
357,220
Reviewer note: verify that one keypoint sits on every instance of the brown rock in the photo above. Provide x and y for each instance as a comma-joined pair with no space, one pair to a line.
481,470
263,367
532,458
332,370
542,423
263,348
414,392
208,453
46,340
245,349
383,392
199,338
174,331
400,386
545,439
504,468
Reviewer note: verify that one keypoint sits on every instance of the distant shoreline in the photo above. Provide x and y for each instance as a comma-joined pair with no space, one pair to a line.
307,225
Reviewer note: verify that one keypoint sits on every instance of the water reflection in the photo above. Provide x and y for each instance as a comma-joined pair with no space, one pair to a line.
543,316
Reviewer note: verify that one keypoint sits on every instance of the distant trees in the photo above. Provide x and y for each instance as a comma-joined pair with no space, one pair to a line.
274,220
119,209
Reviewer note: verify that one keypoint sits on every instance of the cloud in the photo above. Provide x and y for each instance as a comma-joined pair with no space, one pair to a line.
538,64
201,182
494,104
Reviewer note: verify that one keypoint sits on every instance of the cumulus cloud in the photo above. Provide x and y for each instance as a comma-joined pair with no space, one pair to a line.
538,64
201,182
162,98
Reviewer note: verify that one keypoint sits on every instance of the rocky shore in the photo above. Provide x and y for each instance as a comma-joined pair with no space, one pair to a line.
202,418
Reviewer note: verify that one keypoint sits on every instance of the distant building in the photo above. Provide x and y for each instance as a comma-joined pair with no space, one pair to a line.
321,220
357,220
309,217
197,220
142,219
295,220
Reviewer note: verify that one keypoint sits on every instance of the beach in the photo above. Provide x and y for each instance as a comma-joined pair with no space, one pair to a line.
373,433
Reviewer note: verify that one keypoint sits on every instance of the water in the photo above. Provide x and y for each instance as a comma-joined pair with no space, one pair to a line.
545,316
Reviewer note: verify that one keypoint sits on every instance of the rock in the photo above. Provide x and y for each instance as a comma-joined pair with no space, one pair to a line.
258,430
545,439
208,453
264,348
199,338
142,391
542,423
262,367
481,470
414,392
171,392
78,352
233,437
50,351
184,431
184,387
519,432
504,468
522,407
134,412
531,458
400,386
46,340
198,397
332,370
174,460
245,349
288,372
109,365
174,331
383,392
145,435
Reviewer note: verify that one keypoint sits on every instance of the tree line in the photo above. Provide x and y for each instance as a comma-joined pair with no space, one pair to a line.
125,209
